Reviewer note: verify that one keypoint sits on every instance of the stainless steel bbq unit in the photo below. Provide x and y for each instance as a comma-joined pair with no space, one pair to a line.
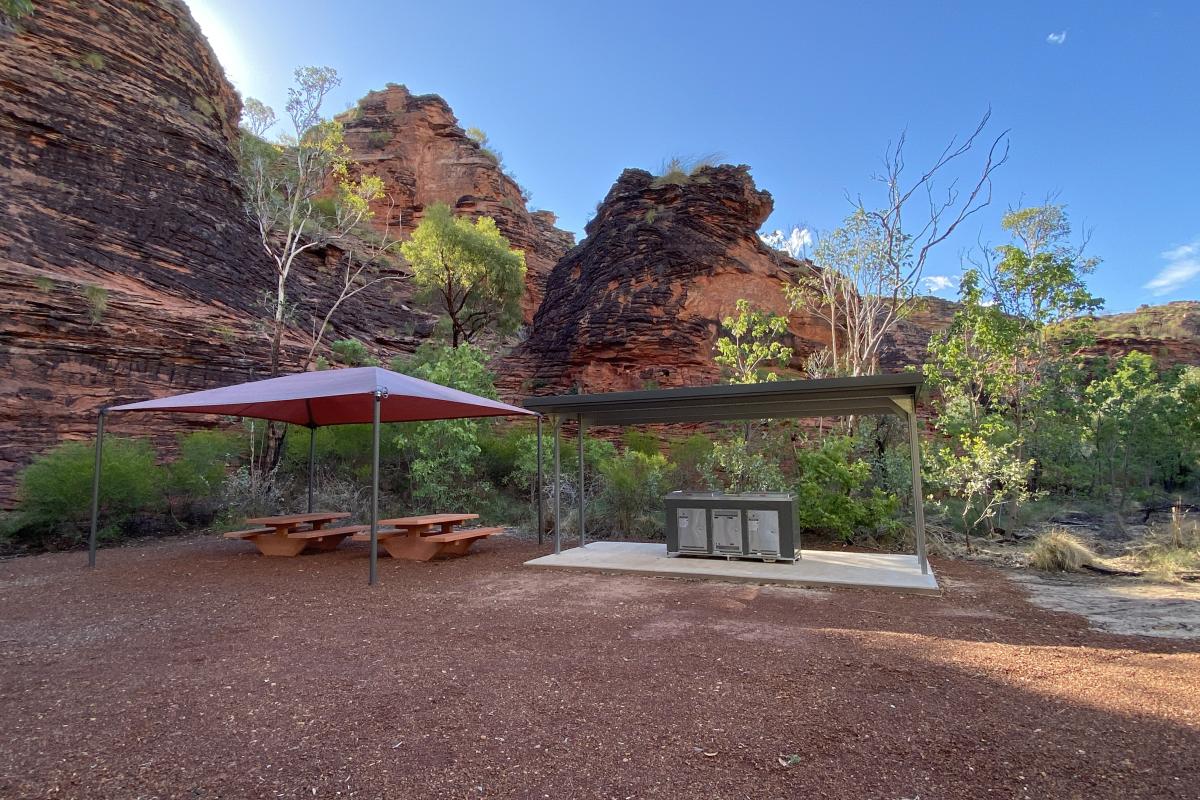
753,525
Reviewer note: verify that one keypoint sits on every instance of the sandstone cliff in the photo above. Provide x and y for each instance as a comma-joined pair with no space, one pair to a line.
415,145
127,268
638,302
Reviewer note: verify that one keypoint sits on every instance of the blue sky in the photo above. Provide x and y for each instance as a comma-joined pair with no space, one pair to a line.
1102,100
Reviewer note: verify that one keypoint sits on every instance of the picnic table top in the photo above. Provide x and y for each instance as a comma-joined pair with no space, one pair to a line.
425,519
284,520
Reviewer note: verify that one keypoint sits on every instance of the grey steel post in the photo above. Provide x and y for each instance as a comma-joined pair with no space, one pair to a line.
582,477
312,463
371,580
918,495
557,423
538,488
96,489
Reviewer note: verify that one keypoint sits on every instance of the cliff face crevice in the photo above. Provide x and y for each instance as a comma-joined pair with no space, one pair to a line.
639,301
415,145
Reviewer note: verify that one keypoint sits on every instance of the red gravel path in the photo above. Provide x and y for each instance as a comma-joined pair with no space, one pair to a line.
192,668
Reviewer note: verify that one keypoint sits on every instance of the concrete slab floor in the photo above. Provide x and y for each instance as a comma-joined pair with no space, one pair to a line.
814,567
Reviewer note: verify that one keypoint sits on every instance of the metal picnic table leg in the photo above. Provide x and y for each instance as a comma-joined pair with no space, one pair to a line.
373,577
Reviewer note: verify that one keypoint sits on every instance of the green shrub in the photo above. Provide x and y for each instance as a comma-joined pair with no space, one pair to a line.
641,442
631,495
678,170
688,458
353,353
378,139
54,497
735,466
833,496
13,10
204,459
94,60
97,300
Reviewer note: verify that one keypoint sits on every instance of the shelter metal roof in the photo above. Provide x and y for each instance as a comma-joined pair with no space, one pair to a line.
826,397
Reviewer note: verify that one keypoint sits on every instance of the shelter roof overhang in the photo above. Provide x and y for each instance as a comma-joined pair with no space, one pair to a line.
826,397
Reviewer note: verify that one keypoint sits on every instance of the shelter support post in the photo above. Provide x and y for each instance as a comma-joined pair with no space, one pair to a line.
557,423
918,493
374,577
581,492
312,463
96,488
538,487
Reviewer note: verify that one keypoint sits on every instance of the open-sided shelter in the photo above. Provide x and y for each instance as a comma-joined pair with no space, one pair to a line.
827,397
315,399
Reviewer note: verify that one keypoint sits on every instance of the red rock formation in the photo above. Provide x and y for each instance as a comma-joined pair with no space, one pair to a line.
127,267
638,302
415,145
1169,332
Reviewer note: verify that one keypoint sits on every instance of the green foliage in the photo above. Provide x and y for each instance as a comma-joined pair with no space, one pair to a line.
13,10
94,60
54,496
97,300
353,353
203,105
688,459
679,171
735,466
633,485
378,139
469,270
833,495
480,138
641,442
204,460
751,345
443,455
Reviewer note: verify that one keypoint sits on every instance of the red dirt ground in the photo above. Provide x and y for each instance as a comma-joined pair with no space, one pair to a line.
193,668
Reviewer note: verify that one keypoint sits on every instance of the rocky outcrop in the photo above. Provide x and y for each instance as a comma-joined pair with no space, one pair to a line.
127,267
1169,332
415,145
638,302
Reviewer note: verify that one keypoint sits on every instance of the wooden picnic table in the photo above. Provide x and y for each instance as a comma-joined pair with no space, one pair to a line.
289,534
423,537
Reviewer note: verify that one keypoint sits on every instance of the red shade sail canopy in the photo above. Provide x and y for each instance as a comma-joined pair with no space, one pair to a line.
333,397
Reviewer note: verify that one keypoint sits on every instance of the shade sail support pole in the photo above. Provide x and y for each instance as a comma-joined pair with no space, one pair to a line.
582,477
538,486
914,444
96,489
557,423
312,463
373,578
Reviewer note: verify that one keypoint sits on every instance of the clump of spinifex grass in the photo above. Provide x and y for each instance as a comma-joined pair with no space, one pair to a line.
1170,549
1059,551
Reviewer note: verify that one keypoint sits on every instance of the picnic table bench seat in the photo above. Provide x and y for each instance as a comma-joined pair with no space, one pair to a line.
324,539
248,534
458,542
416,540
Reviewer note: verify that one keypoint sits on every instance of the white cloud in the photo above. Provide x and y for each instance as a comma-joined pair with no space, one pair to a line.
1183,265
795,243
939,283
1057,38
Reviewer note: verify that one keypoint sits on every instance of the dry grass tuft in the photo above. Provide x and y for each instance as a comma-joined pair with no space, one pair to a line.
1170,549
1059,551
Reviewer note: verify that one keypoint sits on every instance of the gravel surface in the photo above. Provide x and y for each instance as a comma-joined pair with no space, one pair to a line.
193,668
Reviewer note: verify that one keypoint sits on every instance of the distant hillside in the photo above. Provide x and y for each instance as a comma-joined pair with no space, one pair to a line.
1170,332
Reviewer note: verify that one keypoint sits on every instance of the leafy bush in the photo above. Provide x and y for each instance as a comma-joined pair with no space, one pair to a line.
353,353
632,493
833,496
1059,551
195,479
688,459
734,466
54,498
641,442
